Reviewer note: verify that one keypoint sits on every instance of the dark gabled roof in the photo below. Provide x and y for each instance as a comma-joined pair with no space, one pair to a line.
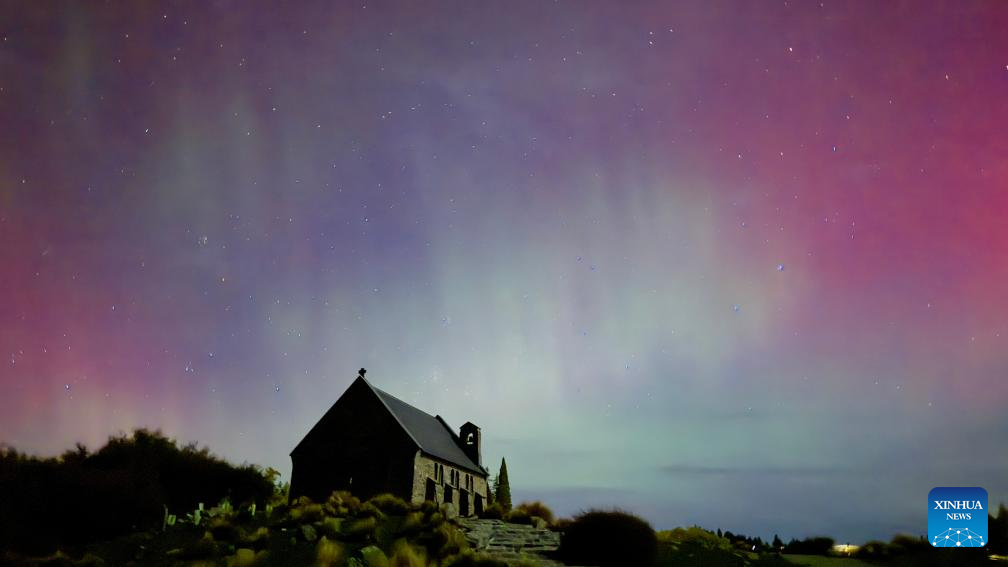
431,434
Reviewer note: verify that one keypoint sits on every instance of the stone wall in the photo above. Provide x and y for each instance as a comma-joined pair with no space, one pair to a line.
424,468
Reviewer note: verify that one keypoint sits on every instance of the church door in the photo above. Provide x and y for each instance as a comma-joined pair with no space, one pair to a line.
463,503
431,491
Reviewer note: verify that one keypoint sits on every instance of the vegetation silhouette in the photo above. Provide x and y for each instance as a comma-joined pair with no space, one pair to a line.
111,506
502,488
608,539
123,487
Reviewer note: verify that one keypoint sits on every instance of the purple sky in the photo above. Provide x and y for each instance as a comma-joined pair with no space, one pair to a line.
732,264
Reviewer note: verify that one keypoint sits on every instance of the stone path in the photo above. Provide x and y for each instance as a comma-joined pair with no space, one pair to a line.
511,542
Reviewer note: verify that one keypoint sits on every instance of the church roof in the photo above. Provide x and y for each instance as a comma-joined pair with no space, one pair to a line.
431,434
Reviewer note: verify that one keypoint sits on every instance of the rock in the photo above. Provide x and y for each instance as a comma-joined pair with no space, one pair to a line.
308,531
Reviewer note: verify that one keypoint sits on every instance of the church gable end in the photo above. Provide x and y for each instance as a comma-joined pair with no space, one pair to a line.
370,442
357,446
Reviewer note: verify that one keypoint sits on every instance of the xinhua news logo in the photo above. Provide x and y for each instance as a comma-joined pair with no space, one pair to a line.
957,517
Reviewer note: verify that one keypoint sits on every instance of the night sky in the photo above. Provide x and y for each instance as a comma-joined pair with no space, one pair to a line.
742,265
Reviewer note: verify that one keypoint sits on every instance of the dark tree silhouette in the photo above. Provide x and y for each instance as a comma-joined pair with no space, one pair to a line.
502,488
83,497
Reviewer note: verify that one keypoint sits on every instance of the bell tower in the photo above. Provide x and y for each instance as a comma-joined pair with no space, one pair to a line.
470,436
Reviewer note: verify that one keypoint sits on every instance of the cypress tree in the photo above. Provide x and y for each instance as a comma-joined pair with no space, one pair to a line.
502,488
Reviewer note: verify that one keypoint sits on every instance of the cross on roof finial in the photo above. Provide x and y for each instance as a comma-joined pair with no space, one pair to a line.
362,372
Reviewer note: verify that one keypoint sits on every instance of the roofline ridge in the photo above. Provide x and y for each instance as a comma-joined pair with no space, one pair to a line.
378,394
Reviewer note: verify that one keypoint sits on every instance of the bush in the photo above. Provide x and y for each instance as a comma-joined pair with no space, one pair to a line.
199,549
390,504
908,550
342,503
223,530
412,523
695,536
306,513
697,546
537,509
369,510
331,527
873,551
609,539
258,539
442,541
810,546
329,552
361,528
374,557
405,555
518,517
561,524
83,497
243,557
493,512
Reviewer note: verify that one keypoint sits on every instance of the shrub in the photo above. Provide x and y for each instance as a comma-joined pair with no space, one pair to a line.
695,536
390,504
369,510
537,509
199,549
306,513
696,546
910,544
374,557
342,503
258,539
222,530
561,524
428,507
412,523
123,487
442,541
810,546
243,557
361,528
331,527
518,517
873,551
493,512
329,552
609,539
405,555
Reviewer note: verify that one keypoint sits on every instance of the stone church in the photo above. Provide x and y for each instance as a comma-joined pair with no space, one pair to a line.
370,442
